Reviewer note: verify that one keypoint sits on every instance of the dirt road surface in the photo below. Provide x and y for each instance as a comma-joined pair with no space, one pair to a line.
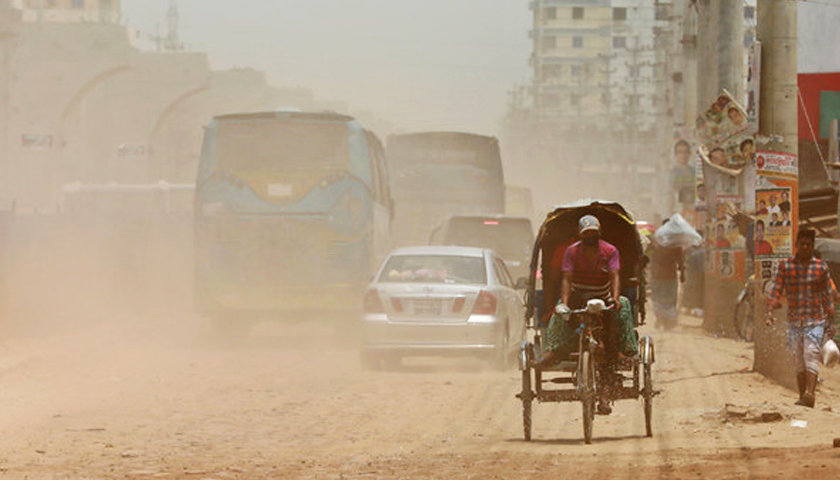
167,398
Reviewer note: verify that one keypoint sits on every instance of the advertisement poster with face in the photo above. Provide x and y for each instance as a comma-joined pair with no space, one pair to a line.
776,212
727,234
773,226
725,118
725,266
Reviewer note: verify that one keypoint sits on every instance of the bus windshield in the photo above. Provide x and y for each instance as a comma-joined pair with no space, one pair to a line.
278,145
444,150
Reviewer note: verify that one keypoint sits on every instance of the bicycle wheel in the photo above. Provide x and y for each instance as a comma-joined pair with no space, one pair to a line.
648,400
527,397
744,318
586,387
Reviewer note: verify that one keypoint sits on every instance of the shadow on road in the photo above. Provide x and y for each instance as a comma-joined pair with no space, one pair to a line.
710,375
577,441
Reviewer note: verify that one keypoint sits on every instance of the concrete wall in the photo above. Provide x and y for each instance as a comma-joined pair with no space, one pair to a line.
61,272
81,104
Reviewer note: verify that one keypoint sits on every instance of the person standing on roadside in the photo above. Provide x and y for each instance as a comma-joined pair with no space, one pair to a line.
807,284
664,264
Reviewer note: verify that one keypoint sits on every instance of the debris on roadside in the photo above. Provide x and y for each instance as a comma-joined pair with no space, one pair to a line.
750,414
799,423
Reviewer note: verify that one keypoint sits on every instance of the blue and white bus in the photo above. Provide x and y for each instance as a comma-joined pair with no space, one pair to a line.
292,214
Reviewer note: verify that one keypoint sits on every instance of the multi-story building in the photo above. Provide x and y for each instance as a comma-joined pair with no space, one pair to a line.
572,44
69,11
598,91
594,62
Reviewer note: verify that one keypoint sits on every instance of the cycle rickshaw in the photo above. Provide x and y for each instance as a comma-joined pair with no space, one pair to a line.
574,377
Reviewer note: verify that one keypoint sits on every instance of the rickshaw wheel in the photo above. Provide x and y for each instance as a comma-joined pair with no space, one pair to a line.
526,403
587,388
648,401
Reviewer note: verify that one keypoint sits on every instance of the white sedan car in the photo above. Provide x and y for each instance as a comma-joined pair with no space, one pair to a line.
441,300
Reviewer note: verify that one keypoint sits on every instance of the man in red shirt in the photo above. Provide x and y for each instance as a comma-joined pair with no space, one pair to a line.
591,270
806,282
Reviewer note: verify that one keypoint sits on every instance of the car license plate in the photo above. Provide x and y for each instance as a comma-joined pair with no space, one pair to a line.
427,307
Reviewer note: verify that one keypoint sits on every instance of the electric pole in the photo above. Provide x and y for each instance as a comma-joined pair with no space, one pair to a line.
6,36
730,54
707,52
776,30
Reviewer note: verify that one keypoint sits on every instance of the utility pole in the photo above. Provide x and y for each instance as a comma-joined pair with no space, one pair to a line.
5,74
730,55
707,52
776,30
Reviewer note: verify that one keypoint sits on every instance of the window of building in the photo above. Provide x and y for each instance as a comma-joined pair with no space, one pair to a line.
550,99
78,4
749,13
619,42
620,13
577,42
552,71
634,71
550,13
576,70
605,98
549,43
574,100
577,13
633,101
662,12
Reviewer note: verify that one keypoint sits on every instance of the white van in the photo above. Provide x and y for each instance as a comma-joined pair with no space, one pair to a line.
511,237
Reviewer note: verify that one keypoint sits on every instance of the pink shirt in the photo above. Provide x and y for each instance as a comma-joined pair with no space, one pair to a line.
586,273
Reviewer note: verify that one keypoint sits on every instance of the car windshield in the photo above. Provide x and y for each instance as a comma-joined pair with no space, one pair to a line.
434,269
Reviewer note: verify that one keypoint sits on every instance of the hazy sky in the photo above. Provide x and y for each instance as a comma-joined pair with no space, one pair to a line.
420,64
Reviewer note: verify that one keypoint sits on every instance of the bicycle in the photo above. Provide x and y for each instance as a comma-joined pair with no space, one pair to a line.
745,311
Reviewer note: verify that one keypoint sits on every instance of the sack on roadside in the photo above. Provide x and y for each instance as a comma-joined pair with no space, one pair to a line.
677,233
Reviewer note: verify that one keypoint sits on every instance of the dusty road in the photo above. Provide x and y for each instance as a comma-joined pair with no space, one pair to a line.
164,398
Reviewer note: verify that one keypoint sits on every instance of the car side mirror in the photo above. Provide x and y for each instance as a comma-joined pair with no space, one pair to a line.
521,284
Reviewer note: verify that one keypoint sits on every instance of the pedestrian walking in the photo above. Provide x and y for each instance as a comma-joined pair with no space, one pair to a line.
694,289
665,262
806,283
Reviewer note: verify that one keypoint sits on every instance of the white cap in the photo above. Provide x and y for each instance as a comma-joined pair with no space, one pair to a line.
588,222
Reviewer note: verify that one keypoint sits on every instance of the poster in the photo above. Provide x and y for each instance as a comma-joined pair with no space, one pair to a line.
776,211
727,234
725,264
726,147
773,225
722,121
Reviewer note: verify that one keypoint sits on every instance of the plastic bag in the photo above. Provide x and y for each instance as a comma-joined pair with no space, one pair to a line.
677,233
830,353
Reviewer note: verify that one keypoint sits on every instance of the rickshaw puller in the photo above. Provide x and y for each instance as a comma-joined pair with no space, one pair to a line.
590,271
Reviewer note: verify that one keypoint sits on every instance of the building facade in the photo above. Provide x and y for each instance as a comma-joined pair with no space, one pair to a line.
599,94
80,104
69,11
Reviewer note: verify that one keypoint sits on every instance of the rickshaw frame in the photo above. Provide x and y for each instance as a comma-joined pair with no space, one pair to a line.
558,231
